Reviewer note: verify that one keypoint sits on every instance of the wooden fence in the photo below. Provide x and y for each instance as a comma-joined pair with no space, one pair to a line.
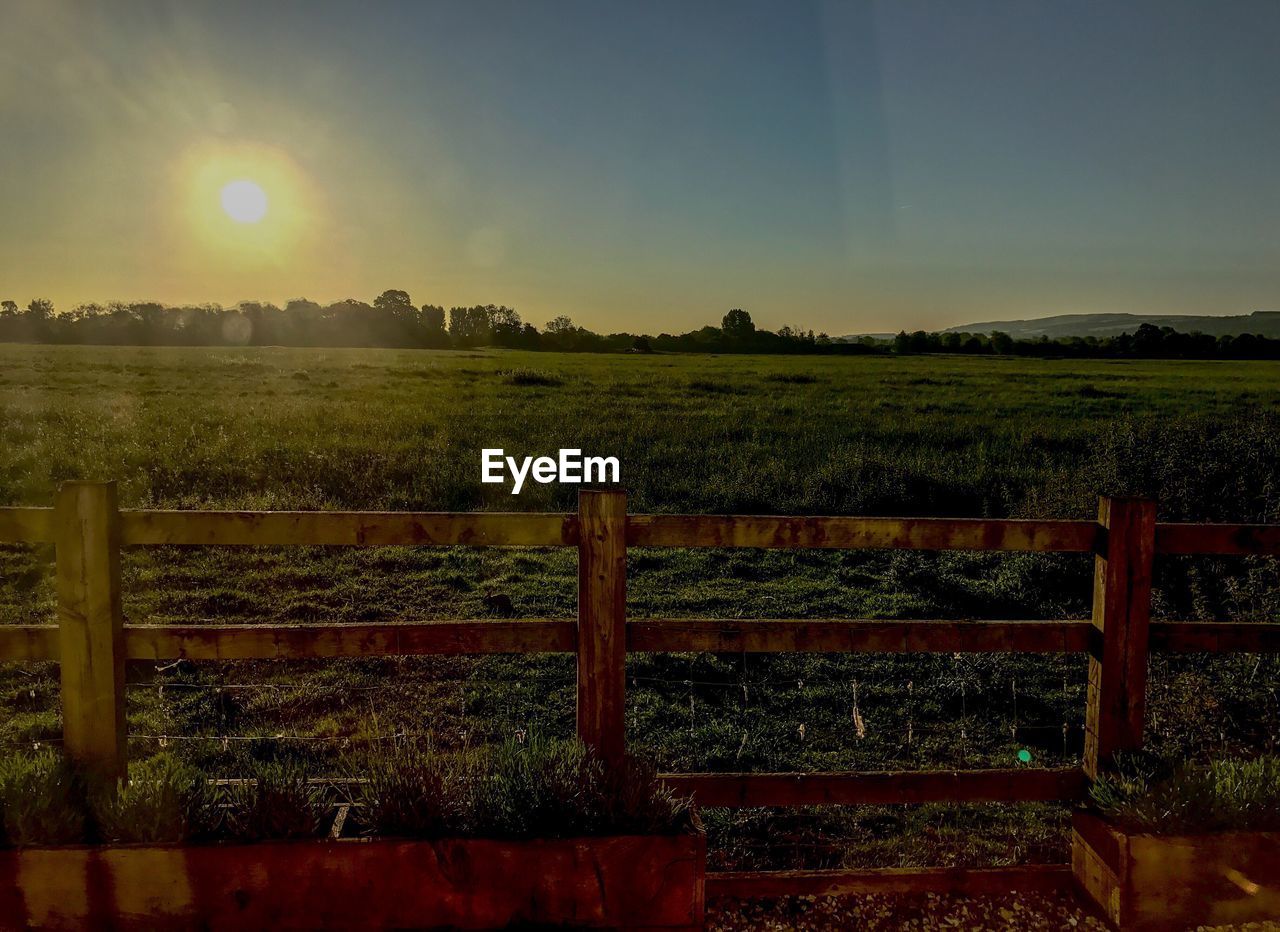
91,643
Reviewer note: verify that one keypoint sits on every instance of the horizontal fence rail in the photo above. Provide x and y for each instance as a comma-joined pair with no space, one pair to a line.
348,529
28,642
34,525
867,788
1224,539
859,533
26,525
91,643
296,642
1192,637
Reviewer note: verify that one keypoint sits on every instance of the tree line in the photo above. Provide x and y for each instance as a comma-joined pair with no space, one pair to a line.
1147,341
393,320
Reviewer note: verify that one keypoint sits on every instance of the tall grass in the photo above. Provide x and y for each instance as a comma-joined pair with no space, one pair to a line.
538,789
1231,794
163,800
410,790
42,799
279,802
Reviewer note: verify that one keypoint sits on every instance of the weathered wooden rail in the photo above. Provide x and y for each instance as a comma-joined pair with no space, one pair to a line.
91,643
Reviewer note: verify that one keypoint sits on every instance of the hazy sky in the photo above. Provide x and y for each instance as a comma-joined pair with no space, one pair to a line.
848,167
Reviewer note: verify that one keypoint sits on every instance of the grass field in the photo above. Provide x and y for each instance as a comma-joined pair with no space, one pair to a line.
375,429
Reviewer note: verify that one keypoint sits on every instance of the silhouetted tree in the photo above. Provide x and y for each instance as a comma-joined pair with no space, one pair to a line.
737,324
260,325
302,323
505,327
433,317
392,301
469,326
431,325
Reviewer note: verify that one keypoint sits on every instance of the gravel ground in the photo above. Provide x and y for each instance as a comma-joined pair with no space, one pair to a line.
891,912
925,911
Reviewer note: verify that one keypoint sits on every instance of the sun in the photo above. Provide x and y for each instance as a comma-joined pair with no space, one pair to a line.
243,204
243,200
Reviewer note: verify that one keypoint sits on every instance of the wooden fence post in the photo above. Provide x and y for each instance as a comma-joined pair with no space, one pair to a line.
602,621
90,626
1117,691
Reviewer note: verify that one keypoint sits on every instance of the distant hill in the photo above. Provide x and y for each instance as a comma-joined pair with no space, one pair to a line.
1266,323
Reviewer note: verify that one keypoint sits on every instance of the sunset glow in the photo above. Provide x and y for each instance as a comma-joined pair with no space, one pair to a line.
841,166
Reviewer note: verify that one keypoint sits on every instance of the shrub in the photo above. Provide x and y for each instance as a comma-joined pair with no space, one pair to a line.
542,789
637,803
715,388
408,792
278,802
525,376
163,800
1092,391
1147,795
42,798
559,788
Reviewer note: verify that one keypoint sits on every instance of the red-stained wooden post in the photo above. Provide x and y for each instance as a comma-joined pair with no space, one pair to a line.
1117,691
602,621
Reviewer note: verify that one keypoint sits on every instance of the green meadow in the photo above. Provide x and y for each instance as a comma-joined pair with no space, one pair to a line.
383,429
